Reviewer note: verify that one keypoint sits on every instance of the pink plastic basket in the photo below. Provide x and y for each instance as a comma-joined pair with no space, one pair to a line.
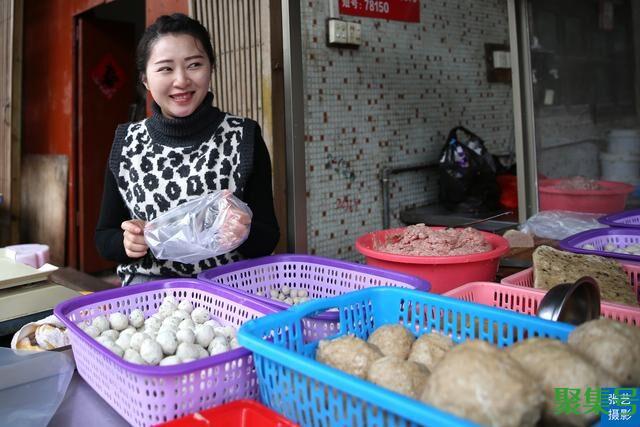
443,272
147,395
321,277
611,198
525,300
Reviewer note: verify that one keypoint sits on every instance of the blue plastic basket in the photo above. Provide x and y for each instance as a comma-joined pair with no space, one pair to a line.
313,394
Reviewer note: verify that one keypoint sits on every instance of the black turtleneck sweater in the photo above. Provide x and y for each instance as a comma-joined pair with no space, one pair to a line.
182,132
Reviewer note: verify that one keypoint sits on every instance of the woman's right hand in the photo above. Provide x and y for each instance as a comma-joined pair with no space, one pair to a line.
134,244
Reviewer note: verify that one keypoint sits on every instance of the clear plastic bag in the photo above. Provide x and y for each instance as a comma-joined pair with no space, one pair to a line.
560,224
211,225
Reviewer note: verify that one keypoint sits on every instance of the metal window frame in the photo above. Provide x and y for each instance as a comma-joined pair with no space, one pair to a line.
523,110
294,127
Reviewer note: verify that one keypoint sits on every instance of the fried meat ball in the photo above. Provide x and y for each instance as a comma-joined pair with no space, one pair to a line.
348,354
399,375
555,365
613,346
392,340
477,381
428,349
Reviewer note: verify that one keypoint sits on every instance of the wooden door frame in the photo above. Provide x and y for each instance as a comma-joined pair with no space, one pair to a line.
10,231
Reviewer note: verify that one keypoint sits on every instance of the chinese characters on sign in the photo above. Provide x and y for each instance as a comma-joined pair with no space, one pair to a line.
395,10
615,406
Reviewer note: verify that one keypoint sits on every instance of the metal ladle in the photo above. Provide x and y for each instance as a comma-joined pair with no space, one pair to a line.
573,303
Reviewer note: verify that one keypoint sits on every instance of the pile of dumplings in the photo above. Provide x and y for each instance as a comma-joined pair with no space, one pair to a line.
177,333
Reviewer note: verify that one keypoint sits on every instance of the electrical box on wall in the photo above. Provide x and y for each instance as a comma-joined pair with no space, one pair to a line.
341,33
498,62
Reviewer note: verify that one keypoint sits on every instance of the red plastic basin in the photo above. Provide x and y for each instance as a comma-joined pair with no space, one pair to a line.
443,272
611,198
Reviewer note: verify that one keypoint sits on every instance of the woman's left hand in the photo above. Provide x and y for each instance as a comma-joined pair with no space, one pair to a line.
237,223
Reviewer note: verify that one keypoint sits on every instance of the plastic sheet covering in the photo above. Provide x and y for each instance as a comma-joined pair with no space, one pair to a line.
560,224
32,385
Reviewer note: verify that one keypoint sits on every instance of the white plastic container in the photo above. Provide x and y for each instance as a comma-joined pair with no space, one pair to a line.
624,141
620,167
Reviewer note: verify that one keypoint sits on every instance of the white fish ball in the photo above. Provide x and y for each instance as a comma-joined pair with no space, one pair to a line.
131,355
187,351
118,321
181,314
115,348
170,360
203,353
186,335
101,323
167,309
159,316
185,305
225,331
170,299
137,339
199,315
111,333
153,322
217,346
213,323
105,340
136,318
168,342
129,331
172,322
92,331
187,324
124,341
151,352
204,335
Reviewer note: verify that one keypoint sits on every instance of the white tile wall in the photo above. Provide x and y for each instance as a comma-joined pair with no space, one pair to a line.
392,102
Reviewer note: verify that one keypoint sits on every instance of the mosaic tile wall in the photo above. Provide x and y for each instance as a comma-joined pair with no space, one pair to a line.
392,102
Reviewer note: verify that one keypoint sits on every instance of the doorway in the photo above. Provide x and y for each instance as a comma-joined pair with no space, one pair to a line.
106,94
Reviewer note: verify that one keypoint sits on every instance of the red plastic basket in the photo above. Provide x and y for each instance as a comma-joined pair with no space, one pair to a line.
443,272
523,299
241,413
611,198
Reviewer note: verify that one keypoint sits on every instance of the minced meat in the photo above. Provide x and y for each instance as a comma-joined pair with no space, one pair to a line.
578,183
420,240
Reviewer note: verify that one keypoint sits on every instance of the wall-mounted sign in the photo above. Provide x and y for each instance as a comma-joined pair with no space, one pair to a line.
395,10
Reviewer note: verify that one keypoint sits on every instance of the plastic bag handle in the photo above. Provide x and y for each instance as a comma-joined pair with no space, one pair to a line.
452,134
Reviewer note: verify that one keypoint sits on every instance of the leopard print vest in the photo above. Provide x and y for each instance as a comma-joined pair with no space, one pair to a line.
160,163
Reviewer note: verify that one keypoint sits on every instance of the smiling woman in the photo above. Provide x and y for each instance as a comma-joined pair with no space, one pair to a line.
178,74
186,149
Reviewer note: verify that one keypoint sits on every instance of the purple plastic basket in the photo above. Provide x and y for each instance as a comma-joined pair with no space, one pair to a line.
321,277
148,395
626,219
599,238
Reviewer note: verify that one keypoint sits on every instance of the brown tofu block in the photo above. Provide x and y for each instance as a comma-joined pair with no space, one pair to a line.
552,267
